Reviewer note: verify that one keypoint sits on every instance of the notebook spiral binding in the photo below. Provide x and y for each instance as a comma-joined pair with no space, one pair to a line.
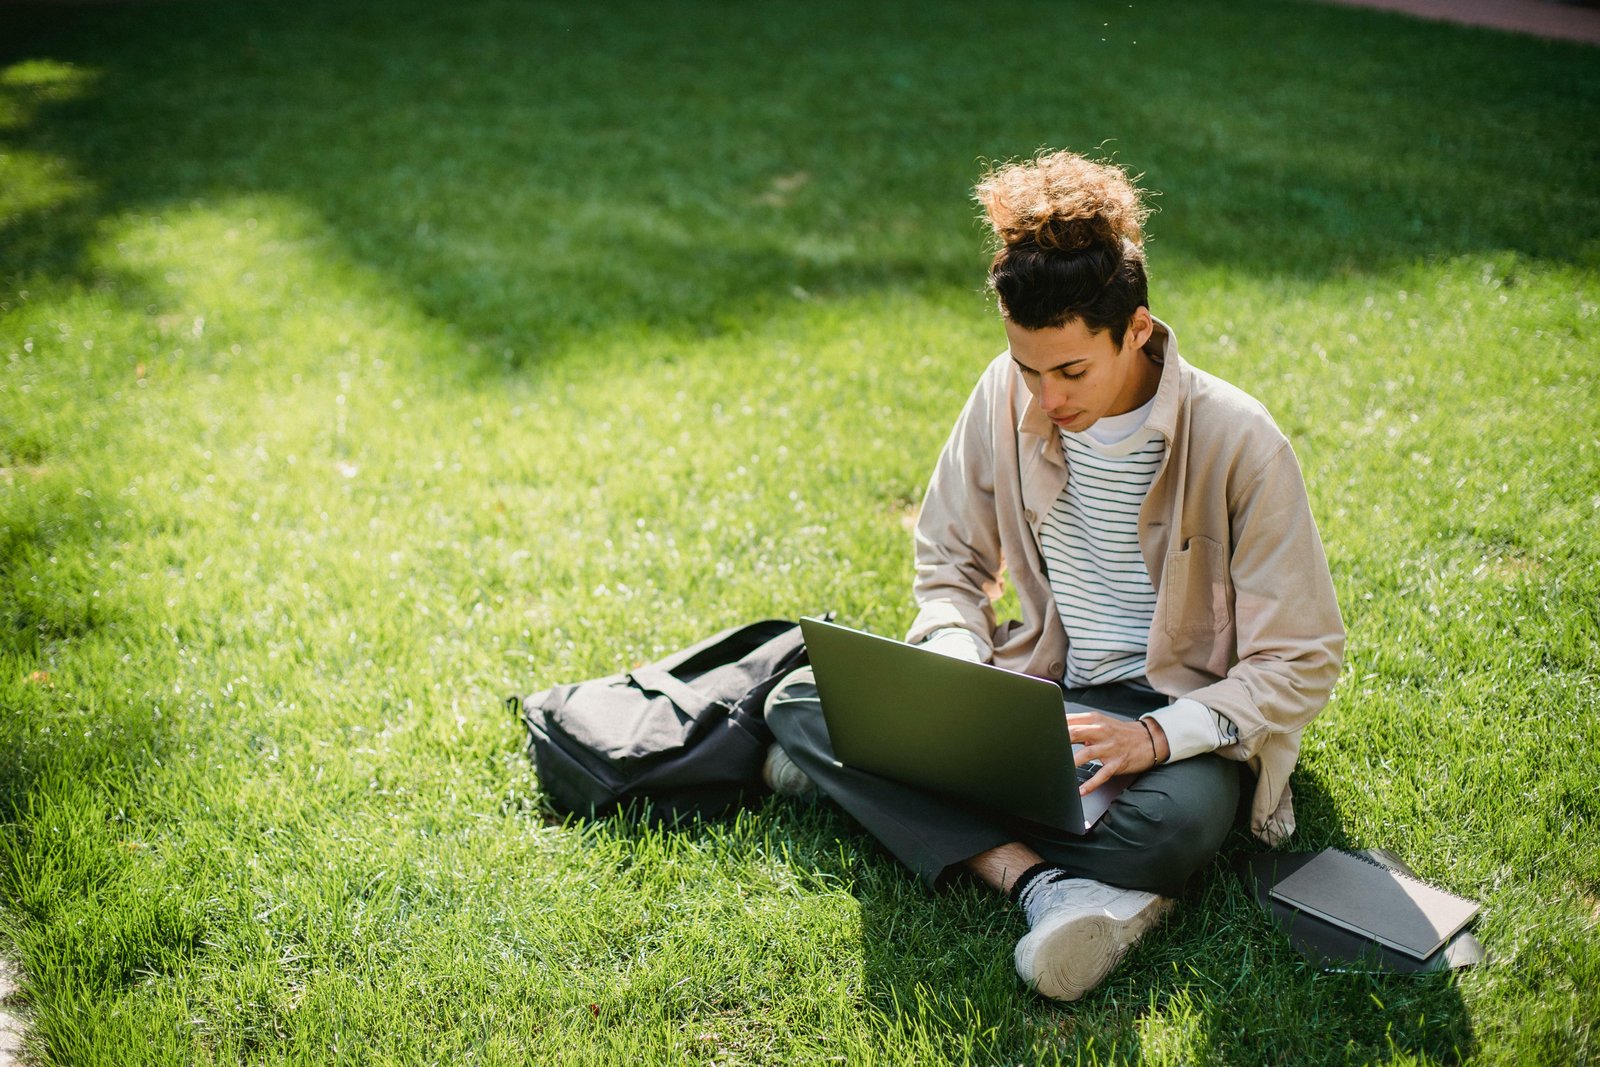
1400,871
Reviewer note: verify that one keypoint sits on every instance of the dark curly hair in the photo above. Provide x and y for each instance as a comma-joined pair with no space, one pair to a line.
1071,232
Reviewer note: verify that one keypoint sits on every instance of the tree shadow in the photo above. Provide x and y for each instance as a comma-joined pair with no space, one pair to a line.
936,972
1219,974
1218,980
535,174
48,521
1222,963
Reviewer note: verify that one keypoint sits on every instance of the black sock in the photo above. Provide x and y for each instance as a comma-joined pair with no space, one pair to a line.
1048,871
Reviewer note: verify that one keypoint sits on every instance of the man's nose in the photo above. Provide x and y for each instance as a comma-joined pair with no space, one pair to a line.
1052,393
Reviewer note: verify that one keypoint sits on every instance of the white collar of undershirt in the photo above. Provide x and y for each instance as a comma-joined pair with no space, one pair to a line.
1117,435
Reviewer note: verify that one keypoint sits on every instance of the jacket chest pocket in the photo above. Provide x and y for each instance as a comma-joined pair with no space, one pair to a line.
1195,589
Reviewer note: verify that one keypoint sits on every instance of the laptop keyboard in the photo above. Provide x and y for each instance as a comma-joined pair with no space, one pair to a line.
1088,770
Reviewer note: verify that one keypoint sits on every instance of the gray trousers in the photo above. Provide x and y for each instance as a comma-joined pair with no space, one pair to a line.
1162,829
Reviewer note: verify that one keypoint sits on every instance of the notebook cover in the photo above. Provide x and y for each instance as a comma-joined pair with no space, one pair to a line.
1367,898
1333,948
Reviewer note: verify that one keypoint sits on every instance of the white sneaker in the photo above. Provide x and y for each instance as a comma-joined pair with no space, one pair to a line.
783,777
1082,935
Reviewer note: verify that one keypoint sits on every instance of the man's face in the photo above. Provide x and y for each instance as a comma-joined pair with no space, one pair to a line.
1079,377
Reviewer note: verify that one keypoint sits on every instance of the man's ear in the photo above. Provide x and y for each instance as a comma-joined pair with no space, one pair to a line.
1140,327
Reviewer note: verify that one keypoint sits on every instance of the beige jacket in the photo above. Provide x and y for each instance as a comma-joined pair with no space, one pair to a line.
1245,619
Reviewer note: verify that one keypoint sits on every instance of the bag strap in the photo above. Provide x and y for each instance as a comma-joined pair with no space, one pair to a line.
726,646
782,639
655,679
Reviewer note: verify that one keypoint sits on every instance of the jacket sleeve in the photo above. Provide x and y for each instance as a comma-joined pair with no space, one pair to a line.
957,539
1289,636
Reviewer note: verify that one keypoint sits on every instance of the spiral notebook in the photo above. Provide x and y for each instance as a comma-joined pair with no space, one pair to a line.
1374,901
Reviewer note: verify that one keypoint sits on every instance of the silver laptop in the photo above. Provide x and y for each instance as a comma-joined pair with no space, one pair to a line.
967,730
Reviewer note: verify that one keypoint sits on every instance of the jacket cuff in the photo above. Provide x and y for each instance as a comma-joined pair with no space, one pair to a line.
936,615
1190,726
957,642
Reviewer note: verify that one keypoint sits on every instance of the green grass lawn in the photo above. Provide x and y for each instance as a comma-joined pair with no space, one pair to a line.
361,364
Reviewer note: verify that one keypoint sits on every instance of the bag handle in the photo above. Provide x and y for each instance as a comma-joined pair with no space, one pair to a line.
656,680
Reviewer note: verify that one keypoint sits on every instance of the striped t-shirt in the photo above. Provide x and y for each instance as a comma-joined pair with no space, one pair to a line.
1091,549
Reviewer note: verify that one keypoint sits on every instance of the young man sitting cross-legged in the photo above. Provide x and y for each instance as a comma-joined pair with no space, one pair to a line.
1154,523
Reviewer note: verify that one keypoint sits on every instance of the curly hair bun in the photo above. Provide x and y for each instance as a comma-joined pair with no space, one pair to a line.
1063,201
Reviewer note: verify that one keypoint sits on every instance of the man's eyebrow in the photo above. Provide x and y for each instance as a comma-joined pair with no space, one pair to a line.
1047,370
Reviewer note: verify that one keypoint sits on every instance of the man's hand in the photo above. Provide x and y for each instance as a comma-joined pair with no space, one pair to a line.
1122,747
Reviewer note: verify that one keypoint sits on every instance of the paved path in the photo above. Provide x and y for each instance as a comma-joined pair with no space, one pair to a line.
1541,18
10,1024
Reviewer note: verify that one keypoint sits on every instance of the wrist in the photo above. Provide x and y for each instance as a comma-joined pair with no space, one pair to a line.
1160,750
1190,728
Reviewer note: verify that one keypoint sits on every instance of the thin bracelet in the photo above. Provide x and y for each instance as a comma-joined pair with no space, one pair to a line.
1151,734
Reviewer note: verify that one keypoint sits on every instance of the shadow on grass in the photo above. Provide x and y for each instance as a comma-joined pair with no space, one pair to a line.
1218,982
70,757
44,603
1290,1008
533,175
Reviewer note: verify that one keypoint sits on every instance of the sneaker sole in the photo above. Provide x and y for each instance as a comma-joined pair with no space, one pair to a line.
1066,960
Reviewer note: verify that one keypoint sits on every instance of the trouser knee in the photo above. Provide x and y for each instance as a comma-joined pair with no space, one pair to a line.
798,684
1189,839
791,706
1173,824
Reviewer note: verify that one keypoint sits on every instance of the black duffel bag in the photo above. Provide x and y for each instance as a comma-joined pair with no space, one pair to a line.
681,737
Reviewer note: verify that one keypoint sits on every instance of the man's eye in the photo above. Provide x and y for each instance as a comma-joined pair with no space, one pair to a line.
1073,377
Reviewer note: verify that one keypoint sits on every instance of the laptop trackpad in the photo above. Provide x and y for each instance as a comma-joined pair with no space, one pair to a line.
1097,803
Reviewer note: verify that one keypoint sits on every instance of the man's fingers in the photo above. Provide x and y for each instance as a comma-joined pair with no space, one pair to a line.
1100,778
1085,727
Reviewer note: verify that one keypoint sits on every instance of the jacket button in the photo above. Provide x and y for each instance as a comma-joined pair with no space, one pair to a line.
1029,515
1056,667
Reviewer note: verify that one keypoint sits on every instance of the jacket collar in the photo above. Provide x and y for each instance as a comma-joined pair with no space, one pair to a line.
1163,348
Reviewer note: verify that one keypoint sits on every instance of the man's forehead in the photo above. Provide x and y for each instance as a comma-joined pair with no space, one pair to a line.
1057,346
